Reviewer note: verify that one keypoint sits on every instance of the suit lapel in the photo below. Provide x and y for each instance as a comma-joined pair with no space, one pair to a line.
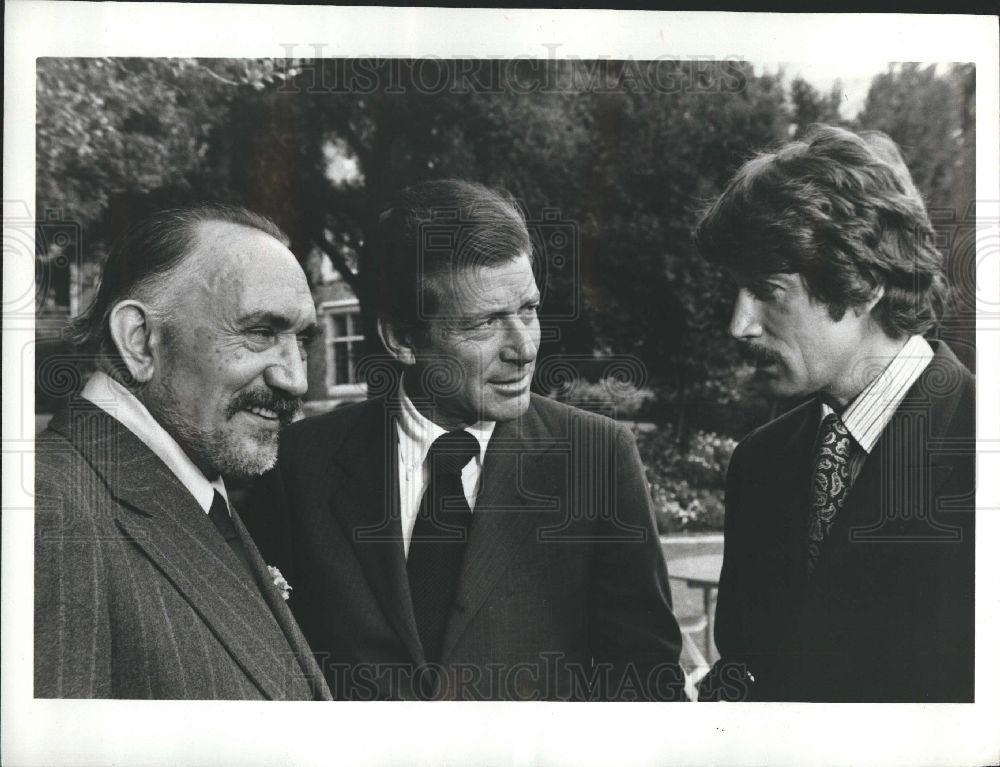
787,471
366,504
510,501
893,495
282,614
160,517
778,479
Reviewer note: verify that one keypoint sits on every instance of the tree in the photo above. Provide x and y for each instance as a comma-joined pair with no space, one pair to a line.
809,106
621,154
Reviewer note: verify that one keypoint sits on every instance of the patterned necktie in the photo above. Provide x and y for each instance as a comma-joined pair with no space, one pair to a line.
831,481
439,536
219,514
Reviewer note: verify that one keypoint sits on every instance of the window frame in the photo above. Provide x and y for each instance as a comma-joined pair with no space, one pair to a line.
327,311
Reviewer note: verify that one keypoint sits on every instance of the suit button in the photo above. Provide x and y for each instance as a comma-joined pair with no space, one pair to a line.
459,608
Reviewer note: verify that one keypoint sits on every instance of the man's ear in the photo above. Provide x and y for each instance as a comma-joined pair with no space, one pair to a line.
399,343
868,305
134,337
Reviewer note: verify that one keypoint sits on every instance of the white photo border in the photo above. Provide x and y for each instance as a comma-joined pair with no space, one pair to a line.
46,732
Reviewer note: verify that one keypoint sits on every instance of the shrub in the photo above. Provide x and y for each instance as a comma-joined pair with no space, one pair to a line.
606,396
686,486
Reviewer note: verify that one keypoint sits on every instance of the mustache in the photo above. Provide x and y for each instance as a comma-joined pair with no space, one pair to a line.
287,407
759,355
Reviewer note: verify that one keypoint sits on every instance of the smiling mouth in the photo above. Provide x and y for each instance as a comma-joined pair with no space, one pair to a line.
263,412
513,384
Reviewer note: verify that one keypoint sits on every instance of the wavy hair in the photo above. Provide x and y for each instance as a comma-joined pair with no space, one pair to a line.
841,209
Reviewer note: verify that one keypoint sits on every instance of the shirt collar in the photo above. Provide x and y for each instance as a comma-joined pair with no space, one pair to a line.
870,412
417,433
122,405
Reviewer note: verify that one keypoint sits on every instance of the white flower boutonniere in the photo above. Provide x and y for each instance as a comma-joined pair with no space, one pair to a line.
279,581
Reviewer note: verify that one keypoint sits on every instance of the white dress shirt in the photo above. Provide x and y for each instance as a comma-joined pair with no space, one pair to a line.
122,405
416,435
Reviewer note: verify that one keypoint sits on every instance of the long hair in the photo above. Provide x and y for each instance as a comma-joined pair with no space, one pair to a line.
841,209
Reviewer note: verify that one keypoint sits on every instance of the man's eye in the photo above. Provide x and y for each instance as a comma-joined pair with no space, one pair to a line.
261,334
763,291
529,310
486,323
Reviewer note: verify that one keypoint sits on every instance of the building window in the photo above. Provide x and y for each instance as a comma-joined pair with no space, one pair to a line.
343,345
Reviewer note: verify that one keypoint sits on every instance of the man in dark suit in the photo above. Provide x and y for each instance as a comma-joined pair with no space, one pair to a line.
848,572
147,584
458,537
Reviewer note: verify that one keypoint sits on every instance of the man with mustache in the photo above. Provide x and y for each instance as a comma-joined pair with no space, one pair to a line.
849,534
459,537
147,585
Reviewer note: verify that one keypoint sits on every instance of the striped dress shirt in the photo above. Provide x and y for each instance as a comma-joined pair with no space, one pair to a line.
870,412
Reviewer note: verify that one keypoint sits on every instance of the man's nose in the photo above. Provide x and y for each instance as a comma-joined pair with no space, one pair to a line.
288,372
744,322
521,341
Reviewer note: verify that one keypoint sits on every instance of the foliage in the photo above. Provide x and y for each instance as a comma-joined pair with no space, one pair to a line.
109,126
321,145
686,484
932,117
809,106
605,397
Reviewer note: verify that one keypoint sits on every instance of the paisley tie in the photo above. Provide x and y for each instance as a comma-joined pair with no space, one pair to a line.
831,482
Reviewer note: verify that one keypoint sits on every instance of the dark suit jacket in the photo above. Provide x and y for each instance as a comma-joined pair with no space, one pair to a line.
563,568
137,595
889,613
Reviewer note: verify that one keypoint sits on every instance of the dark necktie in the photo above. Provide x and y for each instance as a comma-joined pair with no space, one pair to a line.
831,482
439,536
219,514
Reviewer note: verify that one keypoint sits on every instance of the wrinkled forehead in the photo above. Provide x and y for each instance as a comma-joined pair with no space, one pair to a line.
237,270
470,291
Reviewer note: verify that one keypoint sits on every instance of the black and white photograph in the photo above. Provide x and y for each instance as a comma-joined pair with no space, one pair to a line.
517,387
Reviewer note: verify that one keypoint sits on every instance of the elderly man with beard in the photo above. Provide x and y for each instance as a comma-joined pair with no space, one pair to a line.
848,573
147,585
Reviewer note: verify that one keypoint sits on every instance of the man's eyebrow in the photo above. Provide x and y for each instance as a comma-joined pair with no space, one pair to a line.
264,317
310,331
502,312
757,280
